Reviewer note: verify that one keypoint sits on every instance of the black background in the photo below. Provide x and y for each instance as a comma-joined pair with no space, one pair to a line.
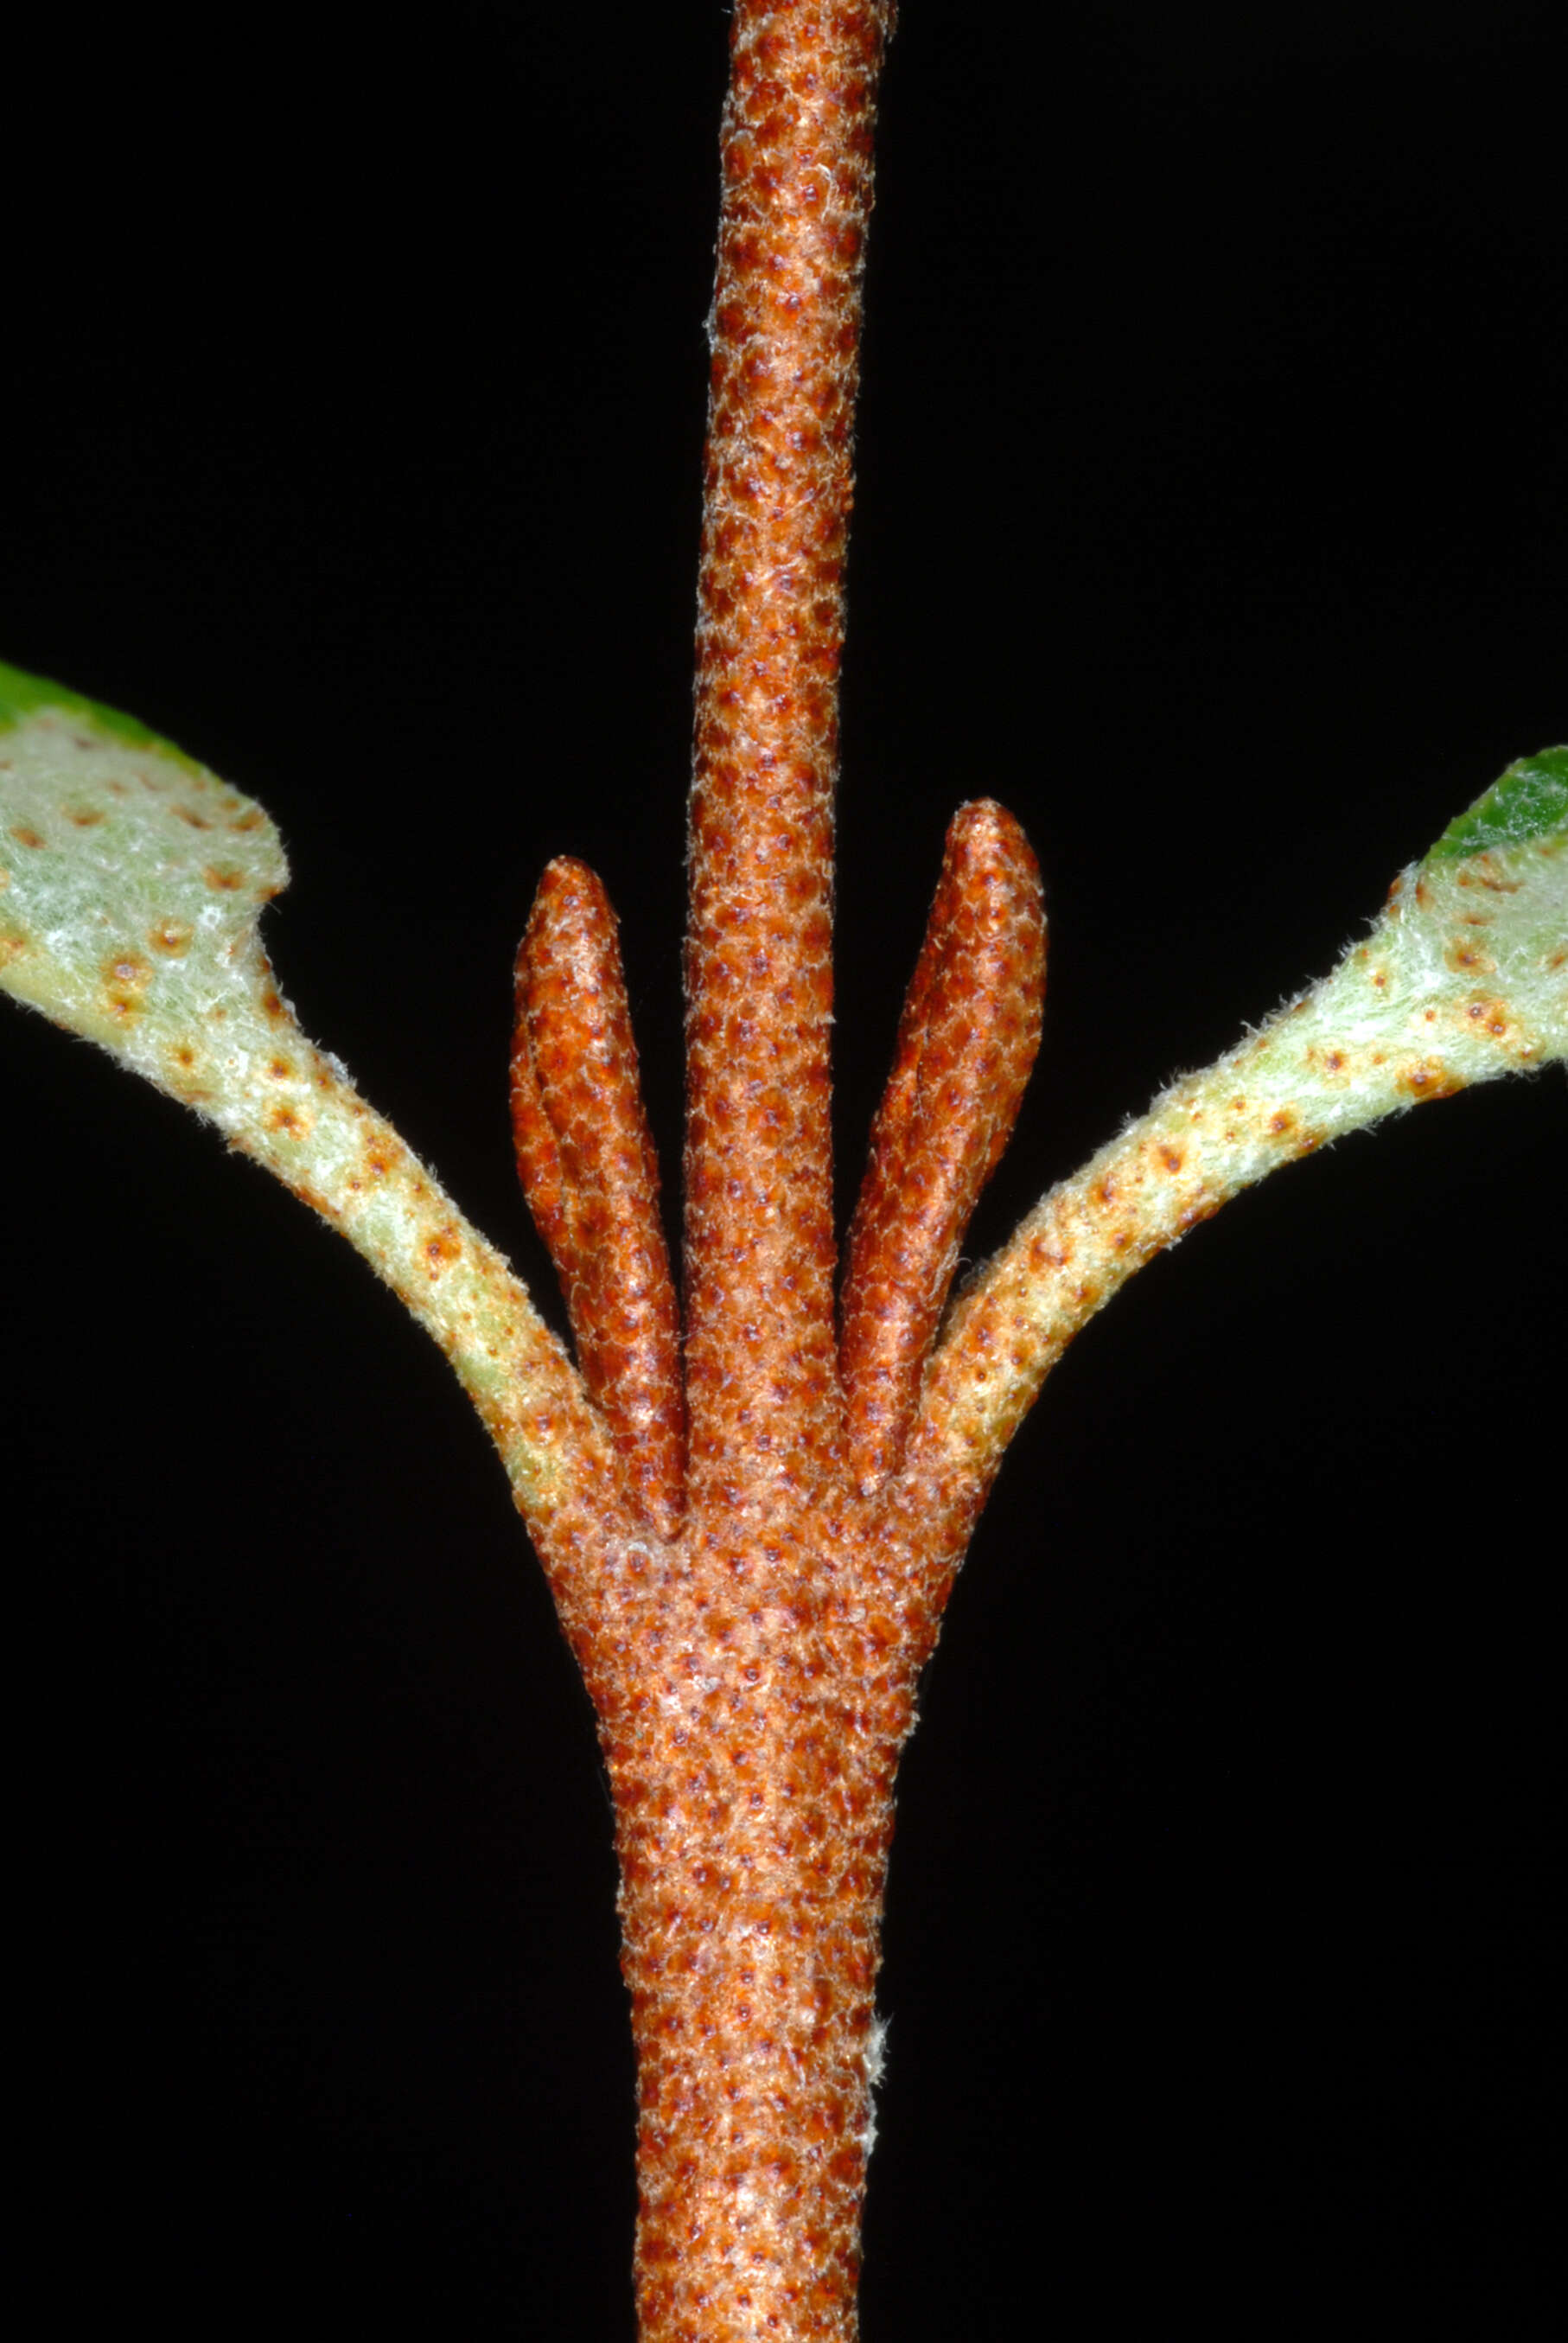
1211,513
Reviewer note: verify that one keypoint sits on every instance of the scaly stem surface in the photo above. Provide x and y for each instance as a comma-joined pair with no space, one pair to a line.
754,1674
750,1538
767,1419
752,1740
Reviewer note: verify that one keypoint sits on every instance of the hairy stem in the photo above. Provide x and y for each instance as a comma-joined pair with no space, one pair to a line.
761,1375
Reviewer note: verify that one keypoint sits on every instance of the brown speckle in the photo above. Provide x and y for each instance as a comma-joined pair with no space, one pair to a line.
25,835
189,814
171,936
125,979
224,878
85,817
1429,1077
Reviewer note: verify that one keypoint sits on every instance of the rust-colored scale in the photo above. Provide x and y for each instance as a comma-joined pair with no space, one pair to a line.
967,1042
591,1180
753,1657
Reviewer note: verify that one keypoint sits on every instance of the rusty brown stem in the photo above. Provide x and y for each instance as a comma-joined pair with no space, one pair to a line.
966,1042
796,142
754,1672
591,1180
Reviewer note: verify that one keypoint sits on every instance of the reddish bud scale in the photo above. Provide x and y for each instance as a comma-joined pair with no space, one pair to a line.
591,1180
967,1042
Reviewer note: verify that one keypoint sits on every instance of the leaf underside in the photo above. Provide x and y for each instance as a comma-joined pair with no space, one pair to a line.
132,882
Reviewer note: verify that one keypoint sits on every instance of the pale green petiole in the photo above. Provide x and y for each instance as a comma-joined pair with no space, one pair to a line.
1464,977
131,884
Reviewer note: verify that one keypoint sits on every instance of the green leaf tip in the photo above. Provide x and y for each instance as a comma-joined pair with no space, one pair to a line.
1527,803
23,696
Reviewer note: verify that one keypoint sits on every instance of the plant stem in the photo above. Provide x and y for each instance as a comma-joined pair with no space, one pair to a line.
762,1389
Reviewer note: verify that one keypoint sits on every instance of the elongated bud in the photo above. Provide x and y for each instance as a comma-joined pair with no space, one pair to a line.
967,1041
591,1179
